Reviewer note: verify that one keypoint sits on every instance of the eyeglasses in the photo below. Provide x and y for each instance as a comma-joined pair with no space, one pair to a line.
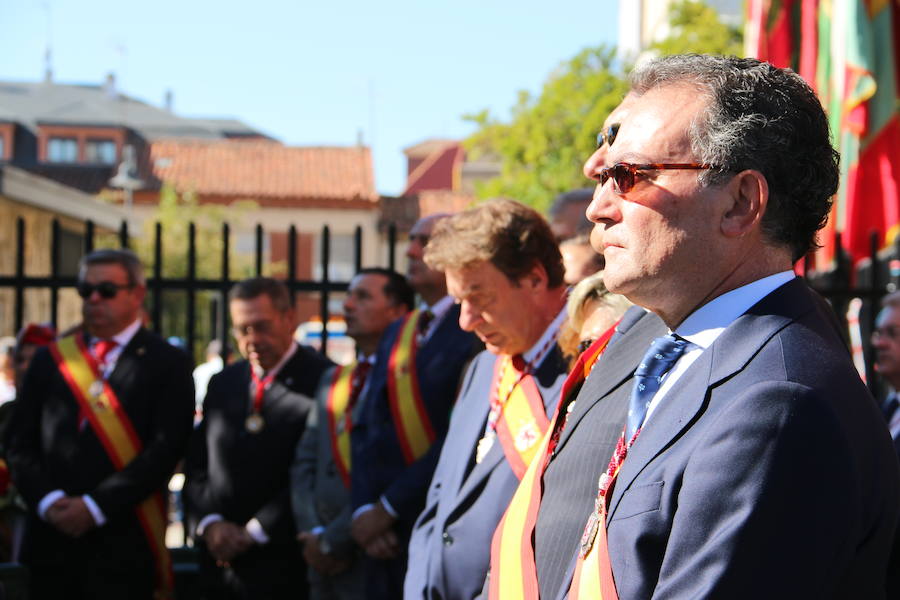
583,345
106,289
608,135
622,174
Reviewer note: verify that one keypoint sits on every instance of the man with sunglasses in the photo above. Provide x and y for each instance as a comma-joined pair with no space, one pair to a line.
104,417
753,461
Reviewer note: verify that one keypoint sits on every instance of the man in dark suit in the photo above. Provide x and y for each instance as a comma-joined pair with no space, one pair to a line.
753,462
320,475
103,419
505,270
237,470
401,420
886,342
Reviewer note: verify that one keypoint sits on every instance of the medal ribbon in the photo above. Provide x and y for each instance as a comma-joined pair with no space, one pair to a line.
259,387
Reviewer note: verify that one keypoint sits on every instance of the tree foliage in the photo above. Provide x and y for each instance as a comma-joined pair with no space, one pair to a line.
544,144
697,28
541,150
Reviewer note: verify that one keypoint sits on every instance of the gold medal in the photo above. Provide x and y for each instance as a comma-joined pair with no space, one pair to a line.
96,388
255,423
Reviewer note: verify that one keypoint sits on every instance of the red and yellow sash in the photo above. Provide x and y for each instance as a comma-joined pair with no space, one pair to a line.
115,431
339,423
411,420
523,420
513,574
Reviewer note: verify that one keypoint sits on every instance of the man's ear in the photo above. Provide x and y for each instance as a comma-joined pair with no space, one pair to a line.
536,278
749,195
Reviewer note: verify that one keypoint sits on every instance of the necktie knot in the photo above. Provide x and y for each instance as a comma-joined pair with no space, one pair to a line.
102,348
425,319
662,354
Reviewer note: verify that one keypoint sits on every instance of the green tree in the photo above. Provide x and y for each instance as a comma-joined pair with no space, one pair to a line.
542,147
541,150
697,28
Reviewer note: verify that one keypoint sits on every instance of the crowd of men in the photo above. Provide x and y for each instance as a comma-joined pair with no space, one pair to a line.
714,441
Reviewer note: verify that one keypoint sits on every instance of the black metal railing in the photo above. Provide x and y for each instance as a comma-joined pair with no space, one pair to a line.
190,284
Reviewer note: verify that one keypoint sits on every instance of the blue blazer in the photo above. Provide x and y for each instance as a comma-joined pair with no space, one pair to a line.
378,464
449,553
765,472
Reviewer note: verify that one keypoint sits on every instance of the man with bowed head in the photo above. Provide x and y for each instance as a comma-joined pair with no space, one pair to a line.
103,418
236,491
505,271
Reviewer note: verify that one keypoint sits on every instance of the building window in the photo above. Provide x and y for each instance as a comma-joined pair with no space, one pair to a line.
342,266
63,150
100,152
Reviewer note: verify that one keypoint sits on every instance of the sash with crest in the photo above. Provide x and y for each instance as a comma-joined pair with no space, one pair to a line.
107,418
513,573
414,430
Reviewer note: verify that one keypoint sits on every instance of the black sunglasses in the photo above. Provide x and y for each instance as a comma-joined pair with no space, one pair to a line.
608,135
106,289
583,346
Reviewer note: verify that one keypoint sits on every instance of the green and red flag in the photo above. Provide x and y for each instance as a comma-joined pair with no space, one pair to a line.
850,52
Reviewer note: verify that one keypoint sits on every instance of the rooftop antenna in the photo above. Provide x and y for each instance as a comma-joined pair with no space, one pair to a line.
48,53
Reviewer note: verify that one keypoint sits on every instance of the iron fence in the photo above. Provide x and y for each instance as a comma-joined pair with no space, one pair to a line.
190,283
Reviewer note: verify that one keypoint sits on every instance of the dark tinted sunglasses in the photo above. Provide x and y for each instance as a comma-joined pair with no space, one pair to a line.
622,174
608,135
583,346
106,289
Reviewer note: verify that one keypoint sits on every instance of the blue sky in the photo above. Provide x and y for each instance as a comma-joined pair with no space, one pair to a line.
311,73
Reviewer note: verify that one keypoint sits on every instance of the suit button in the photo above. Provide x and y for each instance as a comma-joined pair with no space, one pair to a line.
448,540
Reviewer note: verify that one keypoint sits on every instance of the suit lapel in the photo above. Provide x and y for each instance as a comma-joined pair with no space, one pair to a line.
615,366
126,366
730,353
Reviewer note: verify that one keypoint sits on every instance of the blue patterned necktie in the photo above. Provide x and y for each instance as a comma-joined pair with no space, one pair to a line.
660,357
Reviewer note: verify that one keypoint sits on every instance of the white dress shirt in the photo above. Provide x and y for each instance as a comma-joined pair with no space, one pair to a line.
707,323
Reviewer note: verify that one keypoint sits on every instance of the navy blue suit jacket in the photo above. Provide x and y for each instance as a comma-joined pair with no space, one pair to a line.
451,543
766,471
378,464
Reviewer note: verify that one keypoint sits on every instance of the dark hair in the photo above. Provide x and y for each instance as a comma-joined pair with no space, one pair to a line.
248,289
579,197
123,257
763,118
512,236
397,288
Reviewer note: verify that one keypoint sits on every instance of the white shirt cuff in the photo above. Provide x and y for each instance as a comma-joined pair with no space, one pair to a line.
387,506
99,517
256,531
361,510
47,501
207,521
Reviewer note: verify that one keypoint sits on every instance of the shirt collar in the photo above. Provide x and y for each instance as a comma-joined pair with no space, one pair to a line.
549,335
122,338
274,370
706,323
439,308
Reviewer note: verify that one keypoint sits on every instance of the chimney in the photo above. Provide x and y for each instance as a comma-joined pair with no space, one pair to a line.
169,100
110,86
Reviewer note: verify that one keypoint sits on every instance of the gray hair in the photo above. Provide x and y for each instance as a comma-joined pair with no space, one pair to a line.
123,257
763,118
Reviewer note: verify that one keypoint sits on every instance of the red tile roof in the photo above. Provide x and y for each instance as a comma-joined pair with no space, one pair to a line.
265,170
